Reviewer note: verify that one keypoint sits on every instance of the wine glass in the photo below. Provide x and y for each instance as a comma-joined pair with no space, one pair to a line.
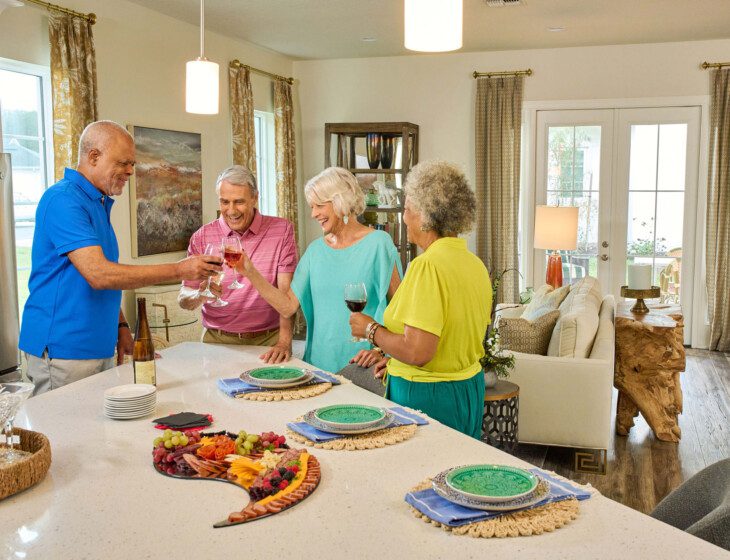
356,298
12,397
214,250
232,254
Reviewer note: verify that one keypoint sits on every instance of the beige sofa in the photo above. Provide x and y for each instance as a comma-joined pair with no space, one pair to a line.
566,401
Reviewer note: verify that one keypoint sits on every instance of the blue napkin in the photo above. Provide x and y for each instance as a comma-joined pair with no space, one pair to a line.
429,503
235,386
402,417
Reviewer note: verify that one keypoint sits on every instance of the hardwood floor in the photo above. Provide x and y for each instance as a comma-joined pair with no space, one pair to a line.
642,469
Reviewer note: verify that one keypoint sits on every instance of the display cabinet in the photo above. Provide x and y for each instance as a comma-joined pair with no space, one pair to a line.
380,155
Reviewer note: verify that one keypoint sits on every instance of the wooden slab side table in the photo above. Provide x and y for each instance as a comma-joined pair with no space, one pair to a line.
501,407
649,358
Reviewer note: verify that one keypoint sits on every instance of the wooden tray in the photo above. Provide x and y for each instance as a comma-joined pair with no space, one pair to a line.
30,470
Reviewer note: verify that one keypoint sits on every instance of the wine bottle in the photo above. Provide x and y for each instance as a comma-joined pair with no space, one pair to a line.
143,356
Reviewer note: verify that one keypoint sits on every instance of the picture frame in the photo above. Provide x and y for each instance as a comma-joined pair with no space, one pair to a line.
166,190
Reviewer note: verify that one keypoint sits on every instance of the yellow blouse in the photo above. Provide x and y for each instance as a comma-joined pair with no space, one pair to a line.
447,292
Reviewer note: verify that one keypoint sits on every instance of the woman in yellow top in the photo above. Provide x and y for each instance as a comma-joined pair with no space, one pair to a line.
435,323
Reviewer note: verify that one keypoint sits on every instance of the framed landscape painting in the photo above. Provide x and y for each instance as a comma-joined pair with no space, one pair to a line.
166,190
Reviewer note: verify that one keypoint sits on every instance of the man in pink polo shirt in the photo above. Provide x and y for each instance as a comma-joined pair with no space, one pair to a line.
269,243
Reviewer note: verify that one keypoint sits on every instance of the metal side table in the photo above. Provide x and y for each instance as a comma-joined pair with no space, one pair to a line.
501,407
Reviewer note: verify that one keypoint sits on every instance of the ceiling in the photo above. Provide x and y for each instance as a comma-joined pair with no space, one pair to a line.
319,29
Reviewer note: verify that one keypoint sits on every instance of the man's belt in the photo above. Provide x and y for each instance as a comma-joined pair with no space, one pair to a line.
253,334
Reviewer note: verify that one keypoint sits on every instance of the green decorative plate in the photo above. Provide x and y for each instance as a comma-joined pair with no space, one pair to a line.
350,415
277,374
493,483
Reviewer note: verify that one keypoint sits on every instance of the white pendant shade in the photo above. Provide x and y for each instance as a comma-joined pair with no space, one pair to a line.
433,25
201,87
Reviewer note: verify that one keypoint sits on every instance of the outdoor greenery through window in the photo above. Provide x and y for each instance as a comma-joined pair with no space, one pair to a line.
265,161
23,115
574,154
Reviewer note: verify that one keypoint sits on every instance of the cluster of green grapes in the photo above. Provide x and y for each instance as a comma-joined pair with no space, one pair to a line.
170,439
245,443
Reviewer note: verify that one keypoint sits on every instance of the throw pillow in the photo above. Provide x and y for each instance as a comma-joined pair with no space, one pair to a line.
545,299
575,331
528,337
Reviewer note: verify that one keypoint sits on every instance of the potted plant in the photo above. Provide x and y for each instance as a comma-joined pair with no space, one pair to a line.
495,363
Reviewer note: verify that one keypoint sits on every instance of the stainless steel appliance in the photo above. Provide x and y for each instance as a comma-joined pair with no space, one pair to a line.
9,355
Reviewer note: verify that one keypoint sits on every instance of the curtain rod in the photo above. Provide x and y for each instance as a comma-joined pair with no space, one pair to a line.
91,18
527,72
705,65
237,63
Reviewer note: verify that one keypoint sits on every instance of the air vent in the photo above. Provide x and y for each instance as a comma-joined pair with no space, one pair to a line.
501,3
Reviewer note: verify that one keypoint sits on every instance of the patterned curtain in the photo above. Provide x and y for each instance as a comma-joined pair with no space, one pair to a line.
73,82
242,122
286,162
498,144
718,212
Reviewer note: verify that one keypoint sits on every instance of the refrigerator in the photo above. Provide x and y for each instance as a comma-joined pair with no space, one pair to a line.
9,320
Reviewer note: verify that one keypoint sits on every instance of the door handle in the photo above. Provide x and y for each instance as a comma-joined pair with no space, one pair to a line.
604,244
604,257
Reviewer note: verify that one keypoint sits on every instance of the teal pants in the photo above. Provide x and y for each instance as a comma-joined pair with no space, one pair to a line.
458,404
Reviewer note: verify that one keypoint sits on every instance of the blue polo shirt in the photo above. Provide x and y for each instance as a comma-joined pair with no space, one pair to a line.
64,314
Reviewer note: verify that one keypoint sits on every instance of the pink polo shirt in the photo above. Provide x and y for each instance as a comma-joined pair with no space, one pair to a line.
269,243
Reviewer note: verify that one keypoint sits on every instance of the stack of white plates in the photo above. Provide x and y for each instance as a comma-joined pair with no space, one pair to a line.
129,401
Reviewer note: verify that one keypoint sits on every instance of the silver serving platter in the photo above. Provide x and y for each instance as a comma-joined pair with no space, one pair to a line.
268,384
313,421
540,493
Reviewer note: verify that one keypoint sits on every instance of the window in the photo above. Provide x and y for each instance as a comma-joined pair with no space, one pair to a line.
265,161
25,119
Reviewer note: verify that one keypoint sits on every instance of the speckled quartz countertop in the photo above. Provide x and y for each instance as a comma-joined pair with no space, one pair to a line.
103,499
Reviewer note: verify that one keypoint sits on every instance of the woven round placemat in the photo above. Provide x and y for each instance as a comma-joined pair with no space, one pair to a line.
543,519
373,440
293,394
31,469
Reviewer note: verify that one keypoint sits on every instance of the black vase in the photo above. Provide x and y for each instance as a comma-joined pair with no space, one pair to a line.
387,152
374,142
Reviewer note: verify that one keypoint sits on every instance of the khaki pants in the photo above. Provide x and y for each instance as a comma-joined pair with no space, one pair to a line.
214,337
48,374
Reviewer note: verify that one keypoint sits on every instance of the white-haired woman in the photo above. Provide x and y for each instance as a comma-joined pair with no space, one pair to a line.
434,325
348,252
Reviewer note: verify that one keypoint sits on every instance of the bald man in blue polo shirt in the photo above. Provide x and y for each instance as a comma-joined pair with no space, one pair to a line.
72,319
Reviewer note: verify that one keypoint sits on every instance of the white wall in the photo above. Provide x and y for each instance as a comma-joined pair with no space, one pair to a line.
437,91
140,60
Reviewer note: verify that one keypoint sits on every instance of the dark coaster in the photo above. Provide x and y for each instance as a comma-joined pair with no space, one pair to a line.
184,420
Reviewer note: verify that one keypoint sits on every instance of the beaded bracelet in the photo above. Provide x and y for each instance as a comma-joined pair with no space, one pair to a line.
371,334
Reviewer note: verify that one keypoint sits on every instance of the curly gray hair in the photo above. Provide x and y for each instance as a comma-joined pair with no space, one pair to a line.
237,175
338,186
440,193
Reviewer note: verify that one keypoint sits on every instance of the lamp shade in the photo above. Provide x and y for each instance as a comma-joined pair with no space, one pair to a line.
556,227
433,25
201,87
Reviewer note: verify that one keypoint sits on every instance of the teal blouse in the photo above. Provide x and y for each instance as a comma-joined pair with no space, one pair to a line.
319,284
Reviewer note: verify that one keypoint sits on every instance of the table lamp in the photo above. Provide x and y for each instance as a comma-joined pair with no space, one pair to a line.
556,229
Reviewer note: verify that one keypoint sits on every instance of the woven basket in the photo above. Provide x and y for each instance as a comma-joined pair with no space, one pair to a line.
30,470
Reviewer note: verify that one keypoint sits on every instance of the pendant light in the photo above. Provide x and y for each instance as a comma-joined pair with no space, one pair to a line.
201,79
433,25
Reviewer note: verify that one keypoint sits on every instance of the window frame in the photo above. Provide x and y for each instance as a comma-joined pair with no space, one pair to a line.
44,73
266,162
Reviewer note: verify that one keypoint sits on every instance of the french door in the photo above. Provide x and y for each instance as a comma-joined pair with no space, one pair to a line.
633,175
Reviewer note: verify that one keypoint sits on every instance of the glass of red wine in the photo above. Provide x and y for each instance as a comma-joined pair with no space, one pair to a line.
356,298
232,254
214,250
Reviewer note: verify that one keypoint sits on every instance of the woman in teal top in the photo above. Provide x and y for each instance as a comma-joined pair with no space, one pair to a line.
349,252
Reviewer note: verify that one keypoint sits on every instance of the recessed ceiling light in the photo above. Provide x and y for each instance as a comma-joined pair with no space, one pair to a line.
556,29
369,39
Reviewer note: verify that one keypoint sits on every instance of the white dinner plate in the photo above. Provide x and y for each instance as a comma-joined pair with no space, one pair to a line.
128,392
